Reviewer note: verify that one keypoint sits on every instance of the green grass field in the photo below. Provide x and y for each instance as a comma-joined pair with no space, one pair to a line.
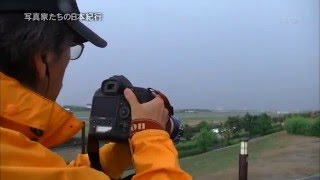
215,161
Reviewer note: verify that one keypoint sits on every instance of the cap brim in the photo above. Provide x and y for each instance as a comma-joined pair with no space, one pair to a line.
87,34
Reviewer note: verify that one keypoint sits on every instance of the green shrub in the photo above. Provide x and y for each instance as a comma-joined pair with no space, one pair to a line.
315,127
260,124
188,132
303,126
206,139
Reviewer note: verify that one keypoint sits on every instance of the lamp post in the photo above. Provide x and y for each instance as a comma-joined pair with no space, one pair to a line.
243,159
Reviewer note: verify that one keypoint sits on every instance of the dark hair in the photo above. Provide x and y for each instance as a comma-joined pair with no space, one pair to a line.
21,39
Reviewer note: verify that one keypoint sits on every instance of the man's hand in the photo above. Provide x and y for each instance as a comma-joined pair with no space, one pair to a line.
152,110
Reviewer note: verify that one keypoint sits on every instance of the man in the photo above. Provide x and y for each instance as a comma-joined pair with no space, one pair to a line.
33,59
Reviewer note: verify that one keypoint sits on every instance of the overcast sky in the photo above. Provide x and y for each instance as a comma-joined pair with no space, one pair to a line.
255,54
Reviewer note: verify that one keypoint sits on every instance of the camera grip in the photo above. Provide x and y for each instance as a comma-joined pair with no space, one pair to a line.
143,95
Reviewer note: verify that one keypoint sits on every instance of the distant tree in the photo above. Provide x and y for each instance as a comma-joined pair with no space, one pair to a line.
216,125
202,124
206,138
233,124
253,130
226,134
260,124
289,115
246,122
278,119
188,132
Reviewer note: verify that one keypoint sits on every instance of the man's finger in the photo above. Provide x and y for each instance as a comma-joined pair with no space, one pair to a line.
131,97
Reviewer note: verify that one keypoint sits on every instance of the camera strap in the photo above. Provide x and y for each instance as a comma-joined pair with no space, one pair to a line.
93,152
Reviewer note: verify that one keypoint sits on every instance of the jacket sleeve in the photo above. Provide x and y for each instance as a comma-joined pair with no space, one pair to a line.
155,156
115,158
21,158
40,173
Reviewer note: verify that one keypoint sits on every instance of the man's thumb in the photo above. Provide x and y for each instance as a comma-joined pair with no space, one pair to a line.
131,97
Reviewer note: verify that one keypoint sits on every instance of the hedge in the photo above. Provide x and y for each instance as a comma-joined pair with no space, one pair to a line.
303,126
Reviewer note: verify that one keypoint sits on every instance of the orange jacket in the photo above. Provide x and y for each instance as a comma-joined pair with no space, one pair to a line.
25,154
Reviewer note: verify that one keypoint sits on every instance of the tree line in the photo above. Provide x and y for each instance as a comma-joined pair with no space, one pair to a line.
239,126
206,136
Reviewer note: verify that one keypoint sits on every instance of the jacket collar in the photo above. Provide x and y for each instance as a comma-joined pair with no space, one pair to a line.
21,106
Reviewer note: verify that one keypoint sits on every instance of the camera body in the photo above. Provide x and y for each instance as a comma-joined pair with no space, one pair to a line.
110,117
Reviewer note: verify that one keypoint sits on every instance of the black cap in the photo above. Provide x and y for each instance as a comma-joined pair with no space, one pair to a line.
55,7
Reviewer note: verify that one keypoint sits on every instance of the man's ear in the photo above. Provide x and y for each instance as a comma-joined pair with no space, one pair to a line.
40,65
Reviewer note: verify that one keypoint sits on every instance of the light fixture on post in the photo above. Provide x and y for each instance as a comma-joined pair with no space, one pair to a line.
243,159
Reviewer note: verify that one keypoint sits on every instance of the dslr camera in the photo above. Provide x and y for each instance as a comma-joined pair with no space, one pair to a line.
110,117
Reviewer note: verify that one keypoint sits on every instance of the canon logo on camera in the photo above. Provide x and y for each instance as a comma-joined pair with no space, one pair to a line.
139,126
143,124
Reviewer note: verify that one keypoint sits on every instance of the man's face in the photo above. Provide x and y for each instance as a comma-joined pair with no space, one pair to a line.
51,69
56,70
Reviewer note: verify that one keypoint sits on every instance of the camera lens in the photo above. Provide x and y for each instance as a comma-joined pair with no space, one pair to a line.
177,129
124,112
